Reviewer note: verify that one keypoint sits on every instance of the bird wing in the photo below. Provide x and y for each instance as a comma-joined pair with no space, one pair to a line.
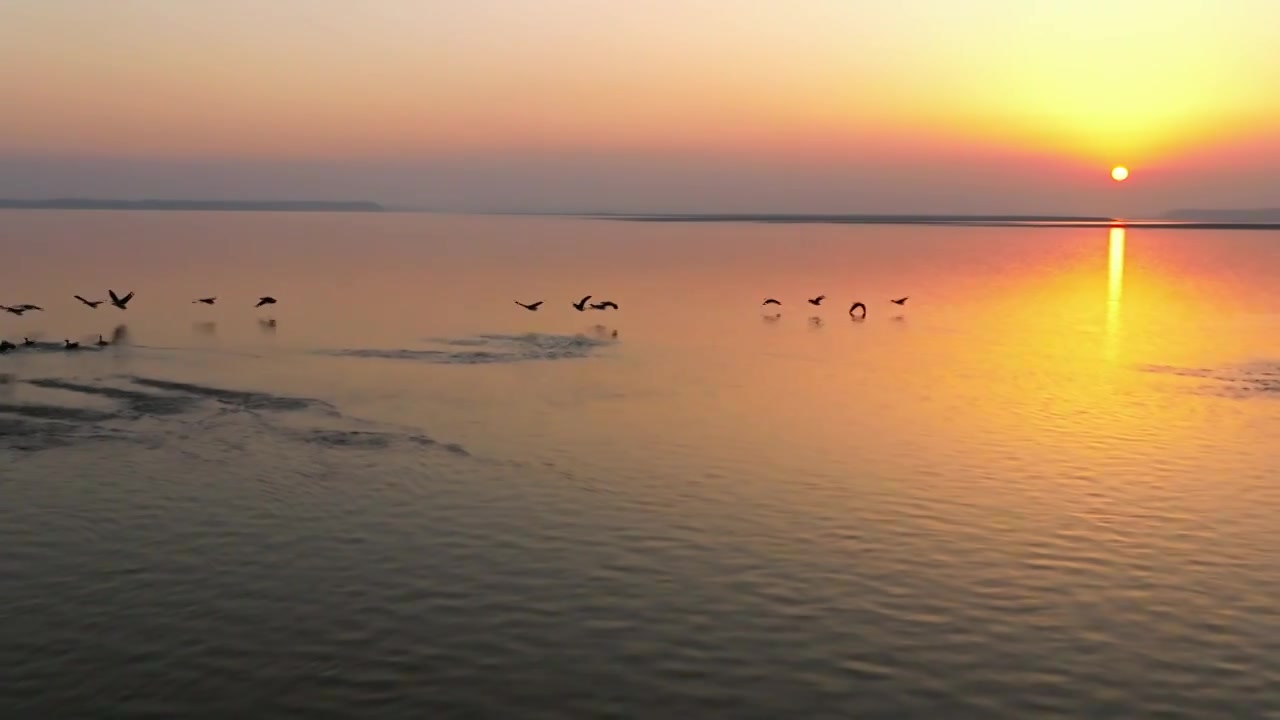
536,304
114,298
821,298
584,300
611,304
86,302
126,298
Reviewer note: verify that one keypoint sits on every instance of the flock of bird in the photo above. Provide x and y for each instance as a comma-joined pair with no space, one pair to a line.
580,306
120,302
854,308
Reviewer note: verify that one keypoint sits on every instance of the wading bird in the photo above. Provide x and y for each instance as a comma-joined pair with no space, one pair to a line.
101,342
71,345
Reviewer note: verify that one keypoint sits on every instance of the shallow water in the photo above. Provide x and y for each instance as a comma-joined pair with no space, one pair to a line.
1045,487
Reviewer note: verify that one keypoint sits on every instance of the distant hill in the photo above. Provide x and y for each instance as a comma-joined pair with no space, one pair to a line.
206,205
1248,215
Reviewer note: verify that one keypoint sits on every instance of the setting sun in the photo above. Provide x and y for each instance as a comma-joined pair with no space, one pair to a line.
1119,173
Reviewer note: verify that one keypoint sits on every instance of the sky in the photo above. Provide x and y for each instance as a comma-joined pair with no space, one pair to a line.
662,105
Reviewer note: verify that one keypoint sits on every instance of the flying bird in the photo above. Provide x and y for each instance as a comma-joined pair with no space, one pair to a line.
91,303
900,301
604,305
858,306
818,300
28,306
15,310
206,301
531,307
581,305
101,342
265,300
71,345
771,301
120,302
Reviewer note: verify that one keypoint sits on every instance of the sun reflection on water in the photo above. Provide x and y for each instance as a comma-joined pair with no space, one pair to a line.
1115,288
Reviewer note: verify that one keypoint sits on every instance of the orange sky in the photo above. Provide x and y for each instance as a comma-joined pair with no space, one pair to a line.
1001,92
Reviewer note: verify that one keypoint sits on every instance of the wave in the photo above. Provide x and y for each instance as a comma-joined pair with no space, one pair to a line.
491,348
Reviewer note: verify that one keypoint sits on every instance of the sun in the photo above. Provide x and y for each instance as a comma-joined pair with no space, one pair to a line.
1119,173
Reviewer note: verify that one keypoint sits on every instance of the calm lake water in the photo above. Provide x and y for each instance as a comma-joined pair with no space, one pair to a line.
1046,487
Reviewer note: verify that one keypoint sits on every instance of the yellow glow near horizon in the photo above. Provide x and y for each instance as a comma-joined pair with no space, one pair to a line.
1084,82
1120,173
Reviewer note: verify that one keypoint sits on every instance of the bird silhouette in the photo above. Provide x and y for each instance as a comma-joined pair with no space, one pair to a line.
265,300
101,342
581,305
6,346
25,307
858,306
532,307
28,342
900,301
604,305
771,301
120,302
206,301
818,300
91,303
71,345
15,310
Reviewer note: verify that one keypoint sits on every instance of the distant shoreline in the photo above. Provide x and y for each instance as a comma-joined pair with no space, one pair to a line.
1266,219
1040,221
194,205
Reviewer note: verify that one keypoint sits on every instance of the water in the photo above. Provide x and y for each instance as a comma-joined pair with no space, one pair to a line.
1043,488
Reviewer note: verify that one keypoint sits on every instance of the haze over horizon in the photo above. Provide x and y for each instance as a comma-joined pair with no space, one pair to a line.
993,106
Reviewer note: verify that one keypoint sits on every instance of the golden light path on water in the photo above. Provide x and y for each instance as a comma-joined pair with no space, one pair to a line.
1115,288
